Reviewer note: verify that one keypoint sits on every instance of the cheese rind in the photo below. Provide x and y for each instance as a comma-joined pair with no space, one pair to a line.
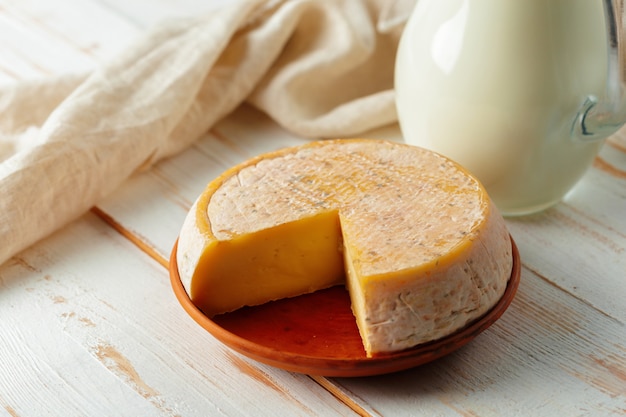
425,250
400,309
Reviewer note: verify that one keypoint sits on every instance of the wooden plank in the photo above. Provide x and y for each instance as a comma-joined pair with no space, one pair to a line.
32,54
43,38
146,13
90,327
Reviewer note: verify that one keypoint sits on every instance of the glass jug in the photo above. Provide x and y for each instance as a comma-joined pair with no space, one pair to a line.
520,92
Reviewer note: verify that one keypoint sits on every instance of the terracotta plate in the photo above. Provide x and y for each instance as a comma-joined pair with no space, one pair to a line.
316,333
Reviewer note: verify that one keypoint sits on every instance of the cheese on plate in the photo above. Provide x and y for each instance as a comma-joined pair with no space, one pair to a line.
414,237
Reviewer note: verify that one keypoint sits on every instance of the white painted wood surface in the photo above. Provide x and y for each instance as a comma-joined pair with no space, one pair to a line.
90,326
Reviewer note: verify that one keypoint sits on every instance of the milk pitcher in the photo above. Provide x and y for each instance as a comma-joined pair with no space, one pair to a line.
520,92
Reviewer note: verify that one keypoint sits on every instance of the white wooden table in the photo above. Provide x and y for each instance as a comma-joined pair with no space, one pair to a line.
89,325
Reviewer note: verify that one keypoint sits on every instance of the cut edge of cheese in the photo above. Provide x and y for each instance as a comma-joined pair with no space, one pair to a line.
450,280
236,271
463,284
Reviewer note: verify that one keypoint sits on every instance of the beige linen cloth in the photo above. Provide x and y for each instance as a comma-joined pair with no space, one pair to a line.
320,68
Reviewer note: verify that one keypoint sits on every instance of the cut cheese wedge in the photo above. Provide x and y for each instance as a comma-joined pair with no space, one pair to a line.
413,236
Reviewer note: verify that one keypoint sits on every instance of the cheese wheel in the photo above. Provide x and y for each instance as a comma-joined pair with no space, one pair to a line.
413,236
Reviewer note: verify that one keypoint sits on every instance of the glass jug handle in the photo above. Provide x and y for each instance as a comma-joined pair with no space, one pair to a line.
597,119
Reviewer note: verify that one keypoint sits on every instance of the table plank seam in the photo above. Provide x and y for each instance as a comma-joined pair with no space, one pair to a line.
571,294
132,237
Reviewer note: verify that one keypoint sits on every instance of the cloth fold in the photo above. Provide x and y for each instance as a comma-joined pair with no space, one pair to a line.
319,68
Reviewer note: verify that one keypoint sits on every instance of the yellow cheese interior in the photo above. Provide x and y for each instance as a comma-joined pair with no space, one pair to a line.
283,261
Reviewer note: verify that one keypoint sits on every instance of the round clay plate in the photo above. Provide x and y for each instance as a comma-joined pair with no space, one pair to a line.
316,333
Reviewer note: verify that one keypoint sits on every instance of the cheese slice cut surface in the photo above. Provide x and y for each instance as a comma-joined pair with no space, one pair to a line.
414,237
